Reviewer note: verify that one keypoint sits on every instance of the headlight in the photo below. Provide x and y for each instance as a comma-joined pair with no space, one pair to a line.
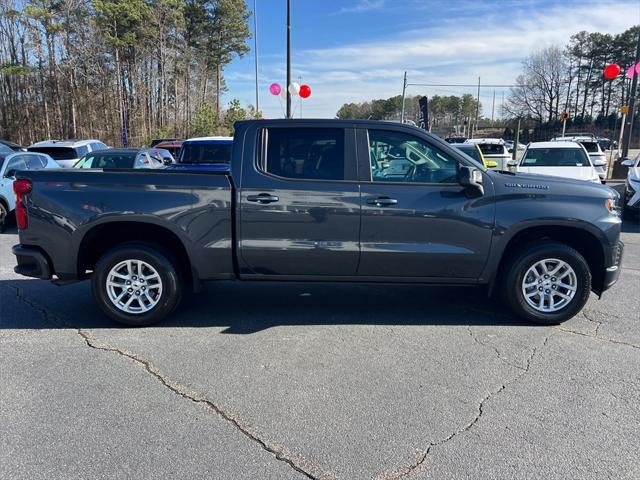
611,204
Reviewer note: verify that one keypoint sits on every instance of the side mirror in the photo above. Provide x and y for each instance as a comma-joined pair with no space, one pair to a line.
492,164
471,178
510,150
10,174
627,163
166,161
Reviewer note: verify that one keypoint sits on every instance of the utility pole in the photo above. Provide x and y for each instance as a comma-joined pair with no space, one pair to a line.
493,105
475,126
404,91
255,48
632,108
288,58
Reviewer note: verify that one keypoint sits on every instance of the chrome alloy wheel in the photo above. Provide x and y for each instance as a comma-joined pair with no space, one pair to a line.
134,286
549,285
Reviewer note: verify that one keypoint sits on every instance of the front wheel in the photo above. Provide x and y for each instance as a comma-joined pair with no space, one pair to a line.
547,283
136,285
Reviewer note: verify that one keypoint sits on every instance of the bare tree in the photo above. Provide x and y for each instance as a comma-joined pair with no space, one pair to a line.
540,86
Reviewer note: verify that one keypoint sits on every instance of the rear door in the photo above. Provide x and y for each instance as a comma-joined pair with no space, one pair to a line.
299,203
422,224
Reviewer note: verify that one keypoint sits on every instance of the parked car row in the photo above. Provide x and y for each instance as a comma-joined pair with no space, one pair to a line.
10,163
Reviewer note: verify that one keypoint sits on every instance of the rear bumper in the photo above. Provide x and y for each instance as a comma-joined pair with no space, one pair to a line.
32,262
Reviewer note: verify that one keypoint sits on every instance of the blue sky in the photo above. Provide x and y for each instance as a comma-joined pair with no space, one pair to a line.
355,50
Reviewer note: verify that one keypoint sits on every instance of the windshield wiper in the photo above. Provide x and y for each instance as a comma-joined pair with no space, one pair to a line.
506,172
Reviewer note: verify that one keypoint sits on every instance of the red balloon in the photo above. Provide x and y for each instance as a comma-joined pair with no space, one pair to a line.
612,71
305,91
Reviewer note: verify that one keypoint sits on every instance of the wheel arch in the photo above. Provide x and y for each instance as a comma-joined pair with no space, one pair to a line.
100,238
581,239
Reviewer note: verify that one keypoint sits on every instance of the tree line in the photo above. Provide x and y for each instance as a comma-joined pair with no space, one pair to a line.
443,110
89,68
570,79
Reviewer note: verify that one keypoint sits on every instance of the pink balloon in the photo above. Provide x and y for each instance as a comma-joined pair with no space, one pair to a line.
275,89
638,68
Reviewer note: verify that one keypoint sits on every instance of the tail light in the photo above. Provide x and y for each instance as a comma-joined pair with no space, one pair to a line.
21,187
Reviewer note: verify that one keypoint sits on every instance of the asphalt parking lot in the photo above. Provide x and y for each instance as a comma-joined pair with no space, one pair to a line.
292,381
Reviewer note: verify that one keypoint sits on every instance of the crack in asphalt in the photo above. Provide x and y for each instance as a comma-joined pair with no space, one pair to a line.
422,456
593,320
495,349
278,452
596,335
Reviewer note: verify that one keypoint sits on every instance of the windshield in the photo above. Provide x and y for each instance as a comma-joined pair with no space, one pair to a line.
107,160
205,153
555,157
57,153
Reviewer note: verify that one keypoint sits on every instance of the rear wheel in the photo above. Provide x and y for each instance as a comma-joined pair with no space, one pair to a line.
136,285
547,283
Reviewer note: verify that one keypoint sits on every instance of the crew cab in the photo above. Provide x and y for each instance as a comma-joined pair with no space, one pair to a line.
321,200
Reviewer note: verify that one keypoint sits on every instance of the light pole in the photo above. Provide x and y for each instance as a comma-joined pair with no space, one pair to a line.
628,125
404,91
255,48
288,58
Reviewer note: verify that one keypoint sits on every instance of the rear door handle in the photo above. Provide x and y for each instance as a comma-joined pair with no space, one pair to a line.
382,201
263,198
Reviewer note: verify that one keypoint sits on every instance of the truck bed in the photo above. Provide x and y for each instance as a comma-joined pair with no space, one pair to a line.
67,208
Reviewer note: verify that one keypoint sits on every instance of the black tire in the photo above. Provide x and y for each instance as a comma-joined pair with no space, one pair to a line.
529,255
167,300
4,216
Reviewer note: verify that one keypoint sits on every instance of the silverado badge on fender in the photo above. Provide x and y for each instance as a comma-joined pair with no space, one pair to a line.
527,185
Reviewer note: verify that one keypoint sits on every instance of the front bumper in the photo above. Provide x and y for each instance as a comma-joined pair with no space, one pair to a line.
32,262
613,272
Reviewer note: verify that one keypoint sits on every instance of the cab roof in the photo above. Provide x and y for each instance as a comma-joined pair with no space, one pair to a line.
64,143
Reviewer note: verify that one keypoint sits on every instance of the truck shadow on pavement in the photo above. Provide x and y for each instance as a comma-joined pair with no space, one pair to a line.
249,307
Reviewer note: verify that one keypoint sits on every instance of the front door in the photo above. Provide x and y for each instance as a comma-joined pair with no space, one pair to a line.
300,204
417,220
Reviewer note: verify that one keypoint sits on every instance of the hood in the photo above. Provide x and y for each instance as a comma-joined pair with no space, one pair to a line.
575,173
535,181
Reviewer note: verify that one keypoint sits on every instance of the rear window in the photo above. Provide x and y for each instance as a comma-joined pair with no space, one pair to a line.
555,157
591,147
57,153
208,152
120,160
491,148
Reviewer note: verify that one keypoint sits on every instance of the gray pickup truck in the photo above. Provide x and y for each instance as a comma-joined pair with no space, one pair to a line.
321,200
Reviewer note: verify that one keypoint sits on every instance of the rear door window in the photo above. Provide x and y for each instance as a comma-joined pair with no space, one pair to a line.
305,153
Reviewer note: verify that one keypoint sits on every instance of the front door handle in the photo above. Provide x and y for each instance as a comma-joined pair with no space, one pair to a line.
263,198
382,201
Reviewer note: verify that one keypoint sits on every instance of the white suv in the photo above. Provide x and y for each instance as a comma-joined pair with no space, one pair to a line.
67,152
493,149
591,145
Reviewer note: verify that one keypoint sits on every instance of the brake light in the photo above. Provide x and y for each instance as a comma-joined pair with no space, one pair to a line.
21,187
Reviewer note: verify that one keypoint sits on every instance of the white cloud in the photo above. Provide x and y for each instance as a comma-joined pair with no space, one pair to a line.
363,6
457,51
